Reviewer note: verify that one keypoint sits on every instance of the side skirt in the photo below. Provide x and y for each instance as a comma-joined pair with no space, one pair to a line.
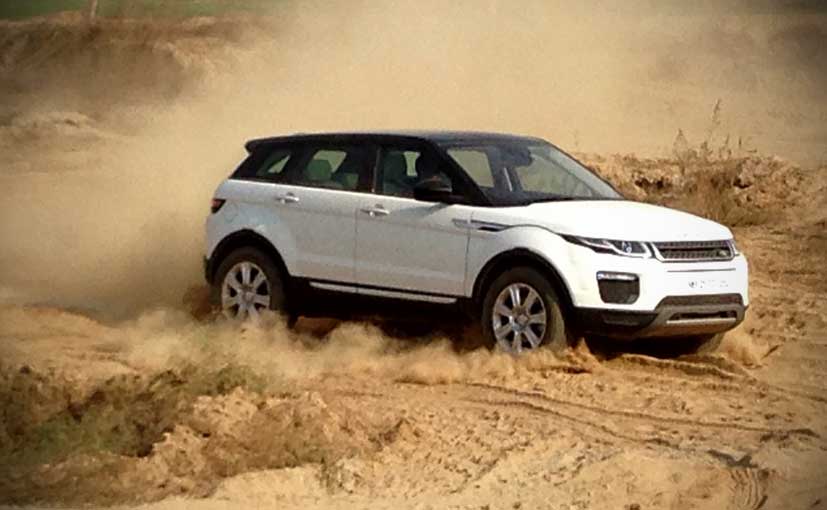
316,298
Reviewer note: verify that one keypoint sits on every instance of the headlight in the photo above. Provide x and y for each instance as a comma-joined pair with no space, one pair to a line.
623,248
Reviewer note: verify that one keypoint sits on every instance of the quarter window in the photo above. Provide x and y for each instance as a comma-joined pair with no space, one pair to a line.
273,165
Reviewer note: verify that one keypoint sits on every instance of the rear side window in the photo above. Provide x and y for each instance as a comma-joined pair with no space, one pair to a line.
274,164
334,168
266,164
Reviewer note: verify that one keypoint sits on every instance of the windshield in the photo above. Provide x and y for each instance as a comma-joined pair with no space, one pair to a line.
517,172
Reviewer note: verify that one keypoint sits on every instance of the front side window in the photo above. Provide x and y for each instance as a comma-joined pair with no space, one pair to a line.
516,172
400,170
334,168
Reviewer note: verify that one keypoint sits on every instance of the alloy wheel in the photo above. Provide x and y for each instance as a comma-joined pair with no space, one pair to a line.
245,292
519,318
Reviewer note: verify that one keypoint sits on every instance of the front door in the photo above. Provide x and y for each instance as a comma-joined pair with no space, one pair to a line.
404,247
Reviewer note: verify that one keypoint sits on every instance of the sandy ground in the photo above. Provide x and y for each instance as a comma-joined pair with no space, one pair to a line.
112,393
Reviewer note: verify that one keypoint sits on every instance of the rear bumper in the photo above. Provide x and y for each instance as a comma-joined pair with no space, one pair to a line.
675,316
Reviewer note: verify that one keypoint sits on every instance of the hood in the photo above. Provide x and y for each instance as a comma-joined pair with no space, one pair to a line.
610,219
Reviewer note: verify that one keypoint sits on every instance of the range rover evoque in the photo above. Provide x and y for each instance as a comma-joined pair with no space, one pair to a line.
509,230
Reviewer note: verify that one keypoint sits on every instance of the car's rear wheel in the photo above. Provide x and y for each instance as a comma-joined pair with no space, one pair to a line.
248,283
521,312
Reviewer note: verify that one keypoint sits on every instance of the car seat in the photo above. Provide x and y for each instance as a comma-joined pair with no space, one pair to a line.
319,172
395,180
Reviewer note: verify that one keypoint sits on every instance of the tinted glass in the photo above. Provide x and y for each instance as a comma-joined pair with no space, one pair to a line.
476,163
400,170
266,163
273,165
517,172
334,168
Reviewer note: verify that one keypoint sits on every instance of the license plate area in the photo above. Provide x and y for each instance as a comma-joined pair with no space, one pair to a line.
702,282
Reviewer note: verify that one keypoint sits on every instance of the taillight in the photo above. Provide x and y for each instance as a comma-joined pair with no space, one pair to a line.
216,204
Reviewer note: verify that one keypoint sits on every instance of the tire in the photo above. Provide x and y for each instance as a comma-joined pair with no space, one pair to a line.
516,329
248,282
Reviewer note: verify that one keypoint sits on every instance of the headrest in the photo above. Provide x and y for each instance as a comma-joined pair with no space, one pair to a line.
394,166
318,170
425,166
348,181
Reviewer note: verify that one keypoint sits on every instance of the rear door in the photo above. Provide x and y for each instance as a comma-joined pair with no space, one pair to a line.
319,201
407,248
311,197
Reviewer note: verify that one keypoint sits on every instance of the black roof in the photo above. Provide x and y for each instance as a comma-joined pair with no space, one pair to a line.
421,135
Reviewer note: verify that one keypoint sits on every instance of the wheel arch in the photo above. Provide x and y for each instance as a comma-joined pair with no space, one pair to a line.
242,239
521,257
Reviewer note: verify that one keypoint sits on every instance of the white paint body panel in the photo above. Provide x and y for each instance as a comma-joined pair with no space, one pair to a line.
421,247
314,235
412,245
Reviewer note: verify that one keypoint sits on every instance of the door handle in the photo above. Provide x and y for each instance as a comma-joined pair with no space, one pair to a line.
376,210
287,199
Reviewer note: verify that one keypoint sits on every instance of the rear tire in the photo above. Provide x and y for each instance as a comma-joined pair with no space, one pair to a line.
521,311
247,283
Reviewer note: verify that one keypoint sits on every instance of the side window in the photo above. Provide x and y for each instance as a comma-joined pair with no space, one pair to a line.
401,169
535,176
266,163
273,165
476,165
334,168
397,172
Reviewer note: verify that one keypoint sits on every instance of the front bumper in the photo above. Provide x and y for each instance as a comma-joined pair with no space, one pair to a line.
658,280
674,316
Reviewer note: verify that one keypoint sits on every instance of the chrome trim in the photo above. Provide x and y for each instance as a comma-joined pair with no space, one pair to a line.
701,321
374,211
657,246
384,293
289,198
616,276
335,287
721,270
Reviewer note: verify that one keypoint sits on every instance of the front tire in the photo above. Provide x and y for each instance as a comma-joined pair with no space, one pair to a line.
521,312
248,283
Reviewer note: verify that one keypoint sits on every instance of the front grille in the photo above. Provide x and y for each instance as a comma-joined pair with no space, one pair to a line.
694,251
711,299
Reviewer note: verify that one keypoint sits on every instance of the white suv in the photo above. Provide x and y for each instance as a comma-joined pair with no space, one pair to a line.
508,229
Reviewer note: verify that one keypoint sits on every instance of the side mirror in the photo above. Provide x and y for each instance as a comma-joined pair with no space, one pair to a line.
433,190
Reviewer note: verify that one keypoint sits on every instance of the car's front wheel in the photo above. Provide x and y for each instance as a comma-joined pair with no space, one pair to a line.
521,311
248,283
